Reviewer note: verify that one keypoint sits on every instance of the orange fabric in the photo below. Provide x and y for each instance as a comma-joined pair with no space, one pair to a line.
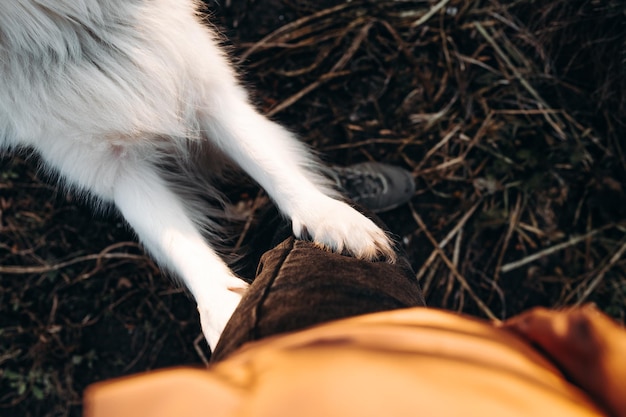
399,363
588,345
182,392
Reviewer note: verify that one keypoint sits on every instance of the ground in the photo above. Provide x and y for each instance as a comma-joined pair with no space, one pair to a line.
510,115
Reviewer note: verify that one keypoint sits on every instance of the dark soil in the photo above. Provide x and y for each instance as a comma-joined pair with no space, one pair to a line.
509,114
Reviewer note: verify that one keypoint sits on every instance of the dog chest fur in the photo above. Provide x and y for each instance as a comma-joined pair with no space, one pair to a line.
109,71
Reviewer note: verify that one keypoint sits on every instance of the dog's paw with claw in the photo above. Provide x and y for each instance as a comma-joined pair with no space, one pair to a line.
217,308
337,227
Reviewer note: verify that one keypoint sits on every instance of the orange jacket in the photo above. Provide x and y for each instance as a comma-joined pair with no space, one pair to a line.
410,362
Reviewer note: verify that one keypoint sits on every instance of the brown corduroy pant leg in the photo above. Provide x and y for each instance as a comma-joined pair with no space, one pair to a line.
299,285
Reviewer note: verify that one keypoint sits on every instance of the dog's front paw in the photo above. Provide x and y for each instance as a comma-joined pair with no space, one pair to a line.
336,226
216,309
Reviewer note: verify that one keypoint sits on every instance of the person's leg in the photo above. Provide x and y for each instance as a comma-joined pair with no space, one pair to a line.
299,285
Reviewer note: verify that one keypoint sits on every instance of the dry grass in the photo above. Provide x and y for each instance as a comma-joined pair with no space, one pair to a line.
502,112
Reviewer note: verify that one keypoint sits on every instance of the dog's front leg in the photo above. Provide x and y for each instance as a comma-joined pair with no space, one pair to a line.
286,169
164,226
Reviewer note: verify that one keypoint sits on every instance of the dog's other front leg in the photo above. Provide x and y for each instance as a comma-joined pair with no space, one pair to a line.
286,169
164,226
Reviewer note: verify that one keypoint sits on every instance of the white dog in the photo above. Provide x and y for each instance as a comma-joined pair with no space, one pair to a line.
127,100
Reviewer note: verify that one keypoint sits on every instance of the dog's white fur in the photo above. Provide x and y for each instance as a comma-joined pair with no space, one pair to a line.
109,92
